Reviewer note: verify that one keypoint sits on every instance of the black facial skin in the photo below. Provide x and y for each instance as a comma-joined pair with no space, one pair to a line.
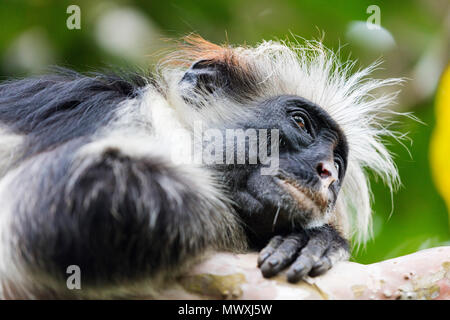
308,139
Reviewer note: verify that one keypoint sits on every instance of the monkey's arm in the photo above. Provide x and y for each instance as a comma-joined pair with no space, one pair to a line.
421,275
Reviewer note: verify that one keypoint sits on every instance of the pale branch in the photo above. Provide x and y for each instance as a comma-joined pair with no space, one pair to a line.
421,275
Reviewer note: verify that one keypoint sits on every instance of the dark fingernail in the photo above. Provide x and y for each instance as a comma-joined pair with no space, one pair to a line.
293,277
273,262
317,271
297,268
267,271
264,256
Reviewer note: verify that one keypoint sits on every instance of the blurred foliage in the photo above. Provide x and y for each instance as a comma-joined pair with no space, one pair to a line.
33,35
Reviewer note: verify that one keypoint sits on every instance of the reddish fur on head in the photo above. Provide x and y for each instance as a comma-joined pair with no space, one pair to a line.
195,48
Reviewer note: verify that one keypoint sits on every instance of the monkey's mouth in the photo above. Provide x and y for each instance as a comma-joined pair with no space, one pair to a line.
305,198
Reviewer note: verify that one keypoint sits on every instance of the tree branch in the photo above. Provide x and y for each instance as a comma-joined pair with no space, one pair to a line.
422,275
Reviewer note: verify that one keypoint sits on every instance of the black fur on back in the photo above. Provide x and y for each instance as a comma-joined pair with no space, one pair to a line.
53,109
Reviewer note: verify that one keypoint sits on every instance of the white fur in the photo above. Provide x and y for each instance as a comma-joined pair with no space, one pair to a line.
14,280
9,145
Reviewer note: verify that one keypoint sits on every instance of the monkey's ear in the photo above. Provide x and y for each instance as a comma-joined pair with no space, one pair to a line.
204,76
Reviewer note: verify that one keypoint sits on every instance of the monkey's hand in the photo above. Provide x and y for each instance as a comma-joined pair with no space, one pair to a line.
311,252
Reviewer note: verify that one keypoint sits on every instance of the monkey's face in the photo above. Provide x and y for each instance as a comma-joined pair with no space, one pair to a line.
307,153
303,187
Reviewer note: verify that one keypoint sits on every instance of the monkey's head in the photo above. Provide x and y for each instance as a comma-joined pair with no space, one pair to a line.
319,126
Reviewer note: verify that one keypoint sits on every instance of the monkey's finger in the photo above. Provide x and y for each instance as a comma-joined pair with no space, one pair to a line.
335,252
283,255
309,256
322,266
274,243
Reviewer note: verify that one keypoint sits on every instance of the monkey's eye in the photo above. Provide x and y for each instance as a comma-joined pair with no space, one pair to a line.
302,122
338,165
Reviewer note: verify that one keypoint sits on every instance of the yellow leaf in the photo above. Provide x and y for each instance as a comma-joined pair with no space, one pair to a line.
440,141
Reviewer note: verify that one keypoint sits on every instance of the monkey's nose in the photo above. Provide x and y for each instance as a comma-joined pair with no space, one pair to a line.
327,173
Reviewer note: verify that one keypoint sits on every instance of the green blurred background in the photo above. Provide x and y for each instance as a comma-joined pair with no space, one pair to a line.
413,42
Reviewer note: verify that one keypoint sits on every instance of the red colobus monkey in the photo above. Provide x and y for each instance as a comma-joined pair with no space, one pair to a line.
88,176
